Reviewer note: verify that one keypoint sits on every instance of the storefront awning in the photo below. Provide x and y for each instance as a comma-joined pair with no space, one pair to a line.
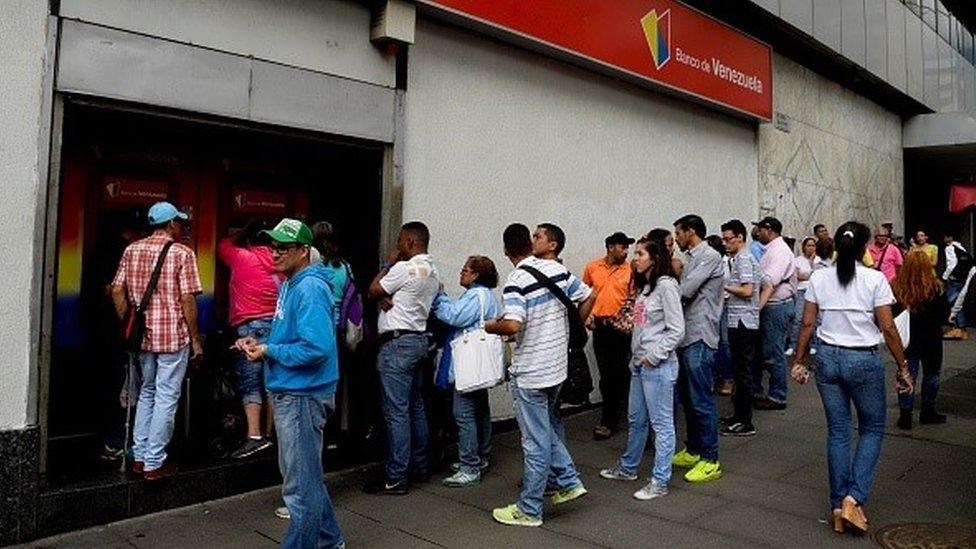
962,197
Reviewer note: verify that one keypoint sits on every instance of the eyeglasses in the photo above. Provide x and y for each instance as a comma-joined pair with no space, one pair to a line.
281,249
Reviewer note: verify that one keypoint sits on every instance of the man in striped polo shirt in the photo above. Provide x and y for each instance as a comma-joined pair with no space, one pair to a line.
540,324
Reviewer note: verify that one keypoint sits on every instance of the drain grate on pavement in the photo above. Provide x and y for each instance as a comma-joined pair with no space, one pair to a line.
924,535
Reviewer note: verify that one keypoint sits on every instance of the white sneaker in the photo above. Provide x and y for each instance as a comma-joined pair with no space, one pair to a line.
283,513
789,352
651,491
615,473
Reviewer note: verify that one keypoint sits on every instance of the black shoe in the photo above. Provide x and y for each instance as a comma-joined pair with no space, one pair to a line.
727,420
382,486
250,447
931,417
905,420
738,429
766,404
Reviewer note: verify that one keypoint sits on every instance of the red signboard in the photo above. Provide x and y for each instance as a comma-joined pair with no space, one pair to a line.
661,41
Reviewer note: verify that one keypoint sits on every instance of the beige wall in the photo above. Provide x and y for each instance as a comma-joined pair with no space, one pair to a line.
23,31
495,135
329,36
840,160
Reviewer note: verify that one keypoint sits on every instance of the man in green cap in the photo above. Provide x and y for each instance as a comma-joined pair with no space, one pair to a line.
301,374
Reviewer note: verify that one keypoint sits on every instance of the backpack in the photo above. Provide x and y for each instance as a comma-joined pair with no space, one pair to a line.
351,326
964,262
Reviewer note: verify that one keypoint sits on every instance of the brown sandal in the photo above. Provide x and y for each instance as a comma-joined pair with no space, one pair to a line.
853,514
838,522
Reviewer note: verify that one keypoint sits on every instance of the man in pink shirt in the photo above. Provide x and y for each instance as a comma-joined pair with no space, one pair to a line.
886,256
776,311
253,292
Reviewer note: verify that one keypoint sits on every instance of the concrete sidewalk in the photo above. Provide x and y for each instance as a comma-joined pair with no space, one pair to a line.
774,493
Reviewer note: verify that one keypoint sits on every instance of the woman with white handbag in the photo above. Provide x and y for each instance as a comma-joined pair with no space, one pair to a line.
472,362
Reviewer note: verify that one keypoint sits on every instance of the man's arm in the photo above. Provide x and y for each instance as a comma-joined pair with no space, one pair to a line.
376,290
120,301
188,302
587,306
744,291
693,280
765,293
503,326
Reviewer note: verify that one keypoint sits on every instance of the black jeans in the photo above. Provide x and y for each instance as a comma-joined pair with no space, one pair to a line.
612,350
743,346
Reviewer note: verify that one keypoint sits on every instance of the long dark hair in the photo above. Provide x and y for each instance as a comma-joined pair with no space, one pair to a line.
850,241
660,265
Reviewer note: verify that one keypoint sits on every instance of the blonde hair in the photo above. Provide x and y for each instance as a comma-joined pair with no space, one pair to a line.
916,282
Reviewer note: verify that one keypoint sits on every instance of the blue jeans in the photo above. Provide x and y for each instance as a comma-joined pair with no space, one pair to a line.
695,391
250,374
162,382
953,289
651,403
798,303
931,380
723,357
846,376
473,418
774,325
300,424
402,379
547,461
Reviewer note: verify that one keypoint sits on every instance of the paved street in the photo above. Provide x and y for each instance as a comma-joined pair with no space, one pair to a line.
773,493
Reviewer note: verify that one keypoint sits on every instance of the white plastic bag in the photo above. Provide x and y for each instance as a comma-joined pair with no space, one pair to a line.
903,324
478,357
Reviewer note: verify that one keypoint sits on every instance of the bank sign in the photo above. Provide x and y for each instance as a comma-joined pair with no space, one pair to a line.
659,41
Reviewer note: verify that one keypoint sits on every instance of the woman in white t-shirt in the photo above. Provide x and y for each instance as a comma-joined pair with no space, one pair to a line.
803,264
853,302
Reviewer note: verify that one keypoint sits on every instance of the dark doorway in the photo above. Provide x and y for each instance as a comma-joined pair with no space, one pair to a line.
115,163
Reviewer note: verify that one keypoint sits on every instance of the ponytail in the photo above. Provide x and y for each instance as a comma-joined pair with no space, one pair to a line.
850,241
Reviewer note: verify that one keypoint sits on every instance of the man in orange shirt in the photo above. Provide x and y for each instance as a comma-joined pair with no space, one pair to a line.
610,278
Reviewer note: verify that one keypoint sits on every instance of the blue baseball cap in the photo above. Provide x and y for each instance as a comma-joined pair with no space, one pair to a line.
164,212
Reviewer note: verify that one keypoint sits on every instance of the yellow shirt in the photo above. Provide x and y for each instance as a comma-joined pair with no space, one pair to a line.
867,260
611,283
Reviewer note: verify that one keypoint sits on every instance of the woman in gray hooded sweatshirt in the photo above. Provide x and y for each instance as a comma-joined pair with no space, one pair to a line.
659,326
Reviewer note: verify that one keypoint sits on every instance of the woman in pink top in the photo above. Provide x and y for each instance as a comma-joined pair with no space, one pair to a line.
253,292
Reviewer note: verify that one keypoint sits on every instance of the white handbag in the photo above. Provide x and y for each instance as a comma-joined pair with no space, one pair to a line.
478,357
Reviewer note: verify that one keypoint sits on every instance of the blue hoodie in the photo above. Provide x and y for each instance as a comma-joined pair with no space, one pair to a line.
302,354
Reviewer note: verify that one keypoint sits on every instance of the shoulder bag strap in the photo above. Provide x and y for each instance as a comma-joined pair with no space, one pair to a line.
877,264
154,279
551,286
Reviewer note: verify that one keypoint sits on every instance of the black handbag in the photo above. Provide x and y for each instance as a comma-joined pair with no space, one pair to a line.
579,383
135,326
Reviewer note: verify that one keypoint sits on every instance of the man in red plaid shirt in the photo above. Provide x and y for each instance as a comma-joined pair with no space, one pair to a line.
171,336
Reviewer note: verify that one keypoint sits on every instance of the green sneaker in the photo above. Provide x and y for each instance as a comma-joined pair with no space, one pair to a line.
704,471
685,459
513,517
564,496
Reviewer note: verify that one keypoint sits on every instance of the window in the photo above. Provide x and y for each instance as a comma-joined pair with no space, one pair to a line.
945,23
928,13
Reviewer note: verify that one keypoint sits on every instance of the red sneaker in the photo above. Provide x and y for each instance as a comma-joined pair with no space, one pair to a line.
137,467
168,469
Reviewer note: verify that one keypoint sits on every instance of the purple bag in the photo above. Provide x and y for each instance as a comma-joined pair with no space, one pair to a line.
351,324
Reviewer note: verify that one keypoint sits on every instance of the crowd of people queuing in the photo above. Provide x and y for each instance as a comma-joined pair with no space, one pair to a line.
690,317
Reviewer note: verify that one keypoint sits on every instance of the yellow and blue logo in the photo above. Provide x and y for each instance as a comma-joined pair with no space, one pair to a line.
657,30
